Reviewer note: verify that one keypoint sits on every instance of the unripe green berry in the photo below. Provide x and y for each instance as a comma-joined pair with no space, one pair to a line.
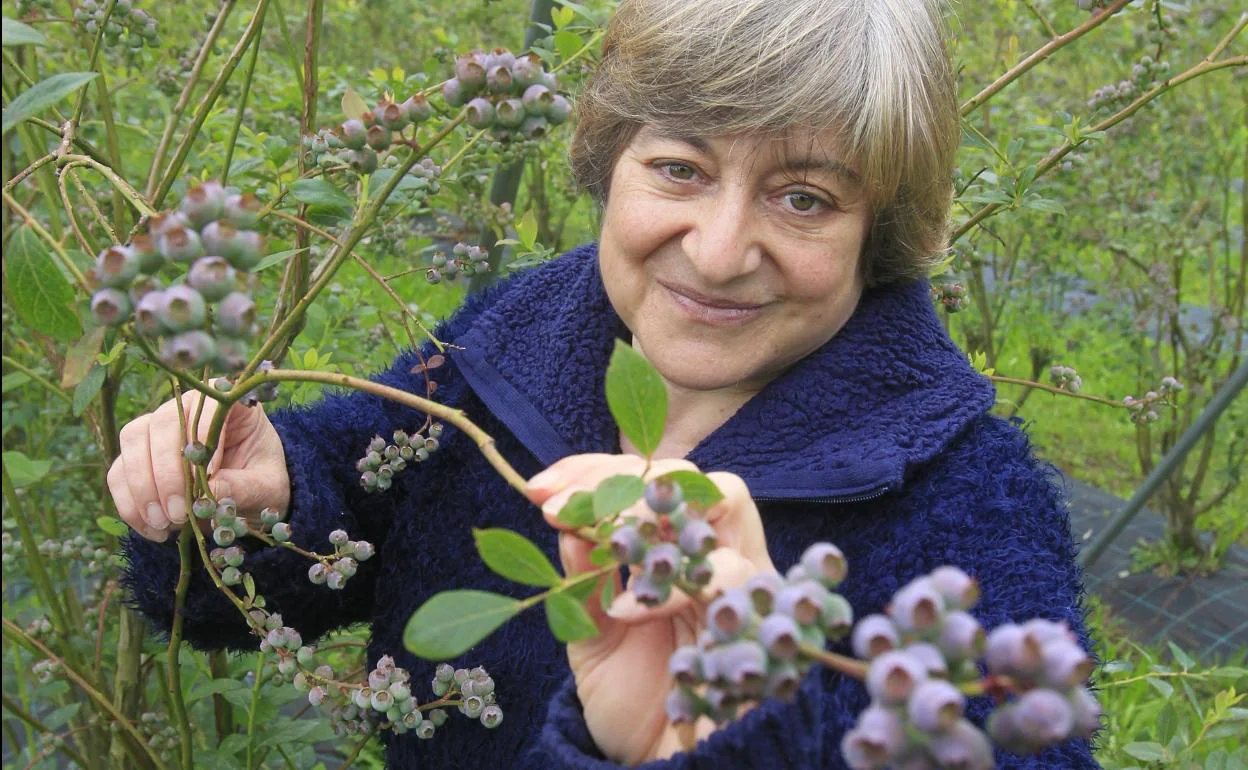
281,532
418,108
180,244
188,350
117,266
212,277
110,307
182,308
196,453
230,575
145,248
203,203
363,161
223,536
242,210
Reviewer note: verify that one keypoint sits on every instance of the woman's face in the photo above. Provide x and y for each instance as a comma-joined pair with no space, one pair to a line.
730,258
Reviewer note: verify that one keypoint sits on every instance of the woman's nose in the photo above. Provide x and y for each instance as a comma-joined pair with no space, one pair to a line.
722,242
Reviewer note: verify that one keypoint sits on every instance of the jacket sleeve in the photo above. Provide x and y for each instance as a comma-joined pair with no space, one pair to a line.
773,735
322,443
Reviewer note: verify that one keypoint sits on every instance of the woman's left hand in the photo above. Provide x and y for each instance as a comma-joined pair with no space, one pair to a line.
622,676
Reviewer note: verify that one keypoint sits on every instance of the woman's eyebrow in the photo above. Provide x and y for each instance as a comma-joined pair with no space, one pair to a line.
827,165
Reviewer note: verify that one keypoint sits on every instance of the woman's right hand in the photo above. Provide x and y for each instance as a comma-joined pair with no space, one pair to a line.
147,480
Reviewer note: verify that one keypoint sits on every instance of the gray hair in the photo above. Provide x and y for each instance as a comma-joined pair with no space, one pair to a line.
875,71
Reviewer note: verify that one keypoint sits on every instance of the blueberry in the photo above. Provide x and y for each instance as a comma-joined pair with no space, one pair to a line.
698,539
683,707
212,277
685,665
491,716
203,203
180,244
662,562
182,308
281,532
961,636
455,93
242,210
963,746
110,307
918,606
803,601
780,635
762,589
188,350
479,113
959,590
147,314
317,573
935,705
824,562
418,108
117,266
730,614
627,545
893,675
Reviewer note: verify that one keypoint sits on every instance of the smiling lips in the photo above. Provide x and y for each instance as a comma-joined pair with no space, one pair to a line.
711,310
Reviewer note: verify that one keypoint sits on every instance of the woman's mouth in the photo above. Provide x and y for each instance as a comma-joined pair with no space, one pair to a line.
718,311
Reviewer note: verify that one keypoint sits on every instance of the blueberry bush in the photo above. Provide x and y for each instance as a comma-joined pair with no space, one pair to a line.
254,201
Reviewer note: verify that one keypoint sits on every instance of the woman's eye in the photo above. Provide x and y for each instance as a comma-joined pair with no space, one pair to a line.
679,171
802,202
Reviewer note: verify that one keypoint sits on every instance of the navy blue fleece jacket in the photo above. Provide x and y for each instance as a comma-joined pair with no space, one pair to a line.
880,442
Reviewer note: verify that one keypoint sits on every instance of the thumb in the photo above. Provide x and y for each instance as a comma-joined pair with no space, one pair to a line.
240,423
251,489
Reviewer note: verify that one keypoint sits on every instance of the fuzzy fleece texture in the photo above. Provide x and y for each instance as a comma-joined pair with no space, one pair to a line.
880,442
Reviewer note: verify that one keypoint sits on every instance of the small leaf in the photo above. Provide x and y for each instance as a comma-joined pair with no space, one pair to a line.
1183,658
16,33
453,621
42,95
636,397
353,105
37,289
87,390
562,17
80,357
114,527
322,195
14,380
276,259
616,494
1147,751
567,43
569,620
515,557
580,591
579,510
696,488
608,593
24,471
249,585
106,359
1161,686
601,556
526,228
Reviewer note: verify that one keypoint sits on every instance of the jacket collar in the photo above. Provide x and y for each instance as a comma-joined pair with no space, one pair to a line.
887,393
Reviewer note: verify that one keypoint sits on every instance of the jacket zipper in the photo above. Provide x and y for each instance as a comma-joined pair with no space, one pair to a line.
877,492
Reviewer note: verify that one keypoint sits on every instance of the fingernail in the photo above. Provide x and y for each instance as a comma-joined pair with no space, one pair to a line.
177,509
155,516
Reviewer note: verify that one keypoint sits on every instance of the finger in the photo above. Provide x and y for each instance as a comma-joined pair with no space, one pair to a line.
250,489
573,470
736,519
136,456
574,556
126,508
165,444
729,569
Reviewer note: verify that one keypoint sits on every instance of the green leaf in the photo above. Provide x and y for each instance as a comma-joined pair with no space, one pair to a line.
1183,658
608,593
42,95
37,289
526,228
1166,723
616,494
562,17
569,620
322,195
580,591
24,471
567,43
1147,751
636,397
87,390
288,731
80,357
17,33
601,556
515,557
276,259
1161,686
353,105
578,511
114,527
453,621
696,488
17,380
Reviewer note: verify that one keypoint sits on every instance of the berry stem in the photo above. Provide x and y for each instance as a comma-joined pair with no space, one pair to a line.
1053,389
842,663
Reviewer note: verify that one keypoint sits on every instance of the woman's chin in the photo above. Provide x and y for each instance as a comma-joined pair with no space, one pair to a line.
698,370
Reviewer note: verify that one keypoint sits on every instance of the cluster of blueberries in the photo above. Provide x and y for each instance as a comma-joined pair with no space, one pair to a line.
378,466
514,96
1066,378
357,142
138,27
1144,74
466,260
210,234
1141,409
926,646
334,571
385,701
77,548
951,296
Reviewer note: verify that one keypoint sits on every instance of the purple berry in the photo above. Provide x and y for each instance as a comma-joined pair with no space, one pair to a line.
873,636
196,453
470,72
648,592
729,615
559,111
203,203
743,664
662,562
803,601
117,266
961,636
698,539
526,71
538,100
236,315
454,93
181,308
499,79
242,210
188,350
780,635
232,354
683,707
378,138
110,307
893,676
1066,665
663,496
1011,651
931,657
627,545
685,665
534,127
353,134
824,562
962,747
213,277
181,244
1087,712
479,113
1044,716
959,590
878,736
935,705
418,108
762,589
917,607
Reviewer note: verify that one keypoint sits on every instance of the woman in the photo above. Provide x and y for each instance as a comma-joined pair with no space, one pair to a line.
775,183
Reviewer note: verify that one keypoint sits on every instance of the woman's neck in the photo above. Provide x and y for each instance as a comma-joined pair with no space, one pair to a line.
692,415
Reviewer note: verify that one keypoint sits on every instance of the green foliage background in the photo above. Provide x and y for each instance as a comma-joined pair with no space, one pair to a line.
1148,215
